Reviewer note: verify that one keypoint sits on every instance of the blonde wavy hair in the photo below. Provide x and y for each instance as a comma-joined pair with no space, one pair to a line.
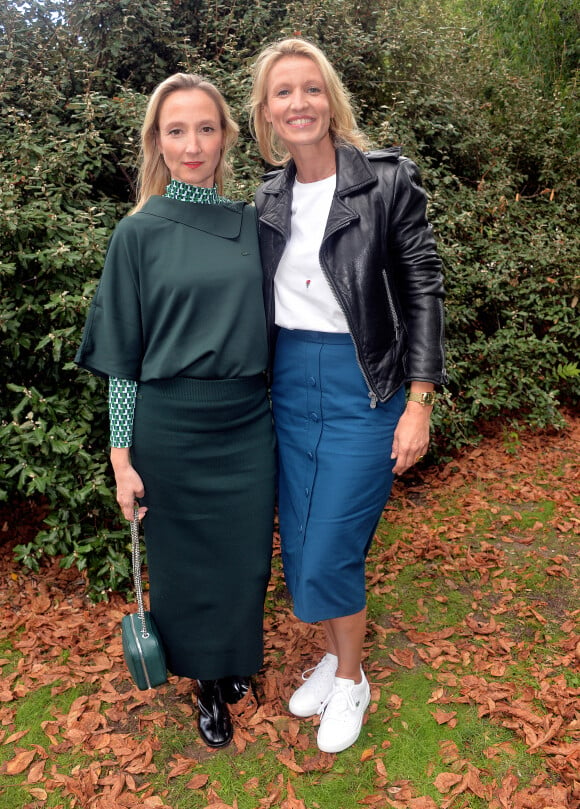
153,174
343,126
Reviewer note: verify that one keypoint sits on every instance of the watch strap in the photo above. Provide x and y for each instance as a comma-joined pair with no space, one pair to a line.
425,398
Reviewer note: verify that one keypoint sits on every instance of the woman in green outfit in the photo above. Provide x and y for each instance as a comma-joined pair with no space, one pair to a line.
177,325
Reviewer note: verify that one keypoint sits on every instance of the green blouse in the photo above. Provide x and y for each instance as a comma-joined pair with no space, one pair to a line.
180,294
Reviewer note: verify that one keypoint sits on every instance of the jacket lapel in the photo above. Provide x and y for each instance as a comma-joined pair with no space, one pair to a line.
277,210
353,173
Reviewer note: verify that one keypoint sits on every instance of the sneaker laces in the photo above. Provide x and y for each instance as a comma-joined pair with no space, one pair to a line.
319,667
344,699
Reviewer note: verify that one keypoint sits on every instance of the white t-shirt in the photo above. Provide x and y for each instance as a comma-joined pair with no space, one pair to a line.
303,297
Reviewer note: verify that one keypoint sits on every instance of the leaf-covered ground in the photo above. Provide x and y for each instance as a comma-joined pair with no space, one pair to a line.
473,657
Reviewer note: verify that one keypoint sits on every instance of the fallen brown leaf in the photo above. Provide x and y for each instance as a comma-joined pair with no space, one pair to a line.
198,781
446,780
19,763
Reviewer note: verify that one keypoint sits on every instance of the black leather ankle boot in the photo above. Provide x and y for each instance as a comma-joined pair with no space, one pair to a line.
234,688
214,722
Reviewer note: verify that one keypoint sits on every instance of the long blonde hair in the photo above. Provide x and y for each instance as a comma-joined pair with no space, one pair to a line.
153,173
343,127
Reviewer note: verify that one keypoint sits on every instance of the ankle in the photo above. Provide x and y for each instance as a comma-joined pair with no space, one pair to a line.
355,675
353,678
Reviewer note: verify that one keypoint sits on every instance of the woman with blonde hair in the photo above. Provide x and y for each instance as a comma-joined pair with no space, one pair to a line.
154,174
177,325
353,292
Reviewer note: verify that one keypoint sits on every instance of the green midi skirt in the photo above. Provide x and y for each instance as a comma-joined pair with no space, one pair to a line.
205,452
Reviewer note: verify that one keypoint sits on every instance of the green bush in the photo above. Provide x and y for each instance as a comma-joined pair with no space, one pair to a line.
500,159
498,154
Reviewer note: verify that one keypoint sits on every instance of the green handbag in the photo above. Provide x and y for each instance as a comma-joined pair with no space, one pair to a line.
142,645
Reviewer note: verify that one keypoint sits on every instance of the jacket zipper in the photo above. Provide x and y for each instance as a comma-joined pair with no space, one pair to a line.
373,396
394,314
441,345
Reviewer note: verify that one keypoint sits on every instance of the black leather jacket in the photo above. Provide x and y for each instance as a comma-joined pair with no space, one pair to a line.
378,254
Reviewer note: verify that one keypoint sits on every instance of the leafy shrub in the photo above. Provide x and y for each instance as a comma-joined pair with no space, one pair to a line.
500,160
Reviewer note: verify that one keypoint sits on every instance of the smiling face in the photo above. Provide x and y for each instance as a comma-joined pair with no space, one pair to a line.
297,105
191,137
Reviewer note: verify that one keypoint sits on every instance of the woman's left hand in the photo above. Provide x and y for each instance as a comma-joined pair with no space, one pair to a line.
411,439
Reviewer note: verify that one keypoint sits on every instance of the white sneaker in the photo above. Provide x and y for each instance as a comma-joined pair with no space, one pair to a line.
306,701
343,714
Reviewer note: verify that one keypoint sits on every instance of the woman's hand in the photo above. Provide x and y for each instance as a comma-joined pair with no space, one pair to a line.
129,483
411,439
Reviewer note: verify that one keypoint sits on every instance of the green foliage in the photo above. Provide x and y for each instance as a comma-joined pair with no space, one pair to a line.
62,149
497,144
500,160
539,36
568,371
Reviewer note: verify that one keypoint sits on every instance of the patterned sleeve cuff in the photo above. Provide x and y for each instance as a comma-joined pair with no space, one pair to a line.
122,395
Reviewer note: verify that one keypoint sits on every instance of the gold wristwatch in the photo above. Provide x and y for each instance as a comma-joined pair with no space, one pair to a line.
425,399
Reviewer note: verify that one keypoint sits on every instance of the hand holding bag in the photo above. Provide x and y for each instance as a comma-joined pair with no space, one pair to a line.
142,646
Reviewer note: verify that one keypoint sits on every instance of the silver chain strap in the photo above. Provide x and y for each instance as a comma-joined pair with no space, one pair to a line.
136,557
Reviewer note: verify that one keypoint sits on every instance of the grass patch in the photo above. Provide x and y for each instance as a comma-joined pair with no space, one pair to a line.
11,656
37,707
415,740
257,773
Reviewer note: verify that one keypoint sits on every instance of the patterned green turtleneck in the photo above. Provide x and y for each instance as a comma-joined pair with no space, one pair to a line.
122,392
193,193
